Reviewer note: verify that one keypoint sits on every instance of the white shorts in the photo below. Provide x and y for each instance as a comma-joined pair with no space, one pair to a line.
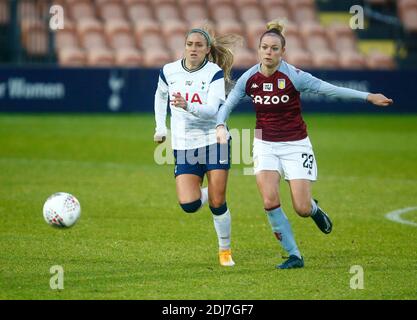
292,159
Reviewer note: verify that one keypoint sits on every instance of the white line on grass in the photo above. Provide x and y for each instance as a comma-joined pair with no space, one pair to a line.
396,216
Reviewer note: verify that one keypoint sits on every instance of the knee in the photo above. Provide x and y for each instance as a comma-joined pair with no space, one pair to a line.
191,207
219,210
303,209
270,203
216,201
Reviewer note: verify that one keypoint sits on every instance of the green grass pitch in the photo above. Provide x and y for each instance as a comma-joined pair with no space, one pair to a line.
134,242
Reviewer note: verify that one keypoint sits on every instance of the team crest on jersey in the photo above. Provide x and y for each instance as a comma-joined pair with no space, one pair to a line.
268,87
281,84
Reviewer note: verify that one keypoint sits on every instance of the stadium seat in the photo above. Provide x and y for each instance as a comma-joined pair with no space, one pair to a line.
91,33
250,12
341,37
81,9
67,37
166,11
244,58
379,60
325,59
156,57
152,41
293,42
111,10
128,57
409,19
28,9
352,60
139,12
299,58
194,12
304,14
34,37
100,57
174,27
254,30
223,12
71,57
277,12
119,34
230,26
4,12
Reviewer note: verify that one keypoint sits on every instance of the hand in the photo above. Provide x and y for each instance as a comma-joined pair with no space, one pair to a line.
179,101
221,134
379,99
159,138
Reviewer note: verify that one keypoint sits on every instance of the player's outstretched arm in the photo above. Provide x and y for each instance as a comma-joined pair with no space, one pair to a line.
379,99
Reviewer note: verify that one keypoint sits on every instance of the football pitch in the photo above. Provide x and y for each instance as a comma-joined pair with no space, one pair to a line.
134,242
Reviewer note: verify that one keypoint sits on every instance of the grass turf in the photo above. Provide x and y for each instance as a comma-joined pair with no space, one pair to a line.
134,242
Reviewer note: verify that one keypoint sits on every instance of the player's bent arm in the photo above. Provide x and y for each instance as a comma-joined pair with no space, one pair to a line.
215,98
160,105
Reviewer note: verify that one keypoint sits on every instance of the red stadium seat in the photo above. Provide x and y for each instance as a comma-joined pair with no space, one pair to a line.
128,57
325,59
119,34
72,57
223,12
352,60
81,9
195,12
244,58
250,12
91,33
277,12
34,37
166,11
380,61
112,10
156,57
299,58
230,26
254,30
174,27
100,57
139,12
4,12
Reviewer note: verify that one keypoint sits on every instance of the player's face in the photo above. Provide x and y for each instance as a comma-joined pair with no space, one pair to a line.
196,49
270,51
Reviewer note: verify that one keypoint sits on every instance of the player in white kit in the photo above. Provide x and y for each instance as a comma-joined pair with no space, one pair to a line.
195,89
283,149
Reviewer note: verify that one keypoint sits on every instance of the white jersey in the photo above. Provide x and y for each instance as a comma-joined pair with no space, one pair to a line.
204,91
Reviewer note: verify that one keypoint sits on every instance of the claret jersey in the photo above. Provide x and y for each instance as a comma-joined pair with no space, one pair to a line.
276,100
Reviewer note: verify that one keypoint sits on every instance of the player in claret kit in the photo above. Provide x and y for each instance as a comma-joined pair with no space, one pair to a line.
281,146
195,87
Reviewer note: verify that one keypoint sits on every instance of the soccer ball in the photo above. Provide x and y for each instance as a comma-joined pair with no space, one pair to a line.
61,210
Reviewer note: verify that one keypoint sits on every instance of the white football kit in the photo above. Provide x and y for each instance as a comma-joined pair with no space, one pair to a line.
204,91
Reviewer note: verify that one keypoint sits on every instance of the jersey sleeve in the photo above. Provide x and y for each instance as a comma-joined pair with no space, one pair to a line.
161,104
215,97
305,82
234,97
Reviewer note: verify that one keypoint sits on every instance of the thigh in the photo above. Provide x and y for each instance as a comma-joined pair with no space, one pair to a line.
268,186
217,183
188,187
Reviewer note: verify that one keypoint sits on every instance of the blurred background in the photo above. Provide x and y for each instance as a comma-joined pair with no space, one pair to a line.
129,40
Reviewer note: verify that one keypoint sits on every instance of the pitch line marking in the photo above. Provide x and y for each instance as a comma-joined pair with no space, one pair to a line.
396,216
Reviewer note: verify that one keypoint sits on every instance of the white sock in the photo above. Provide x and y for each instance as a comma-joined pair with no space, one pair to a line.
223,226
204,196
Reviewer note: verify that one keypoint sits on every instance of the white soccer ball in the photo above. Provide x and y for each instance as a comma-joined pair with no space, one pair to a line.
61,210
